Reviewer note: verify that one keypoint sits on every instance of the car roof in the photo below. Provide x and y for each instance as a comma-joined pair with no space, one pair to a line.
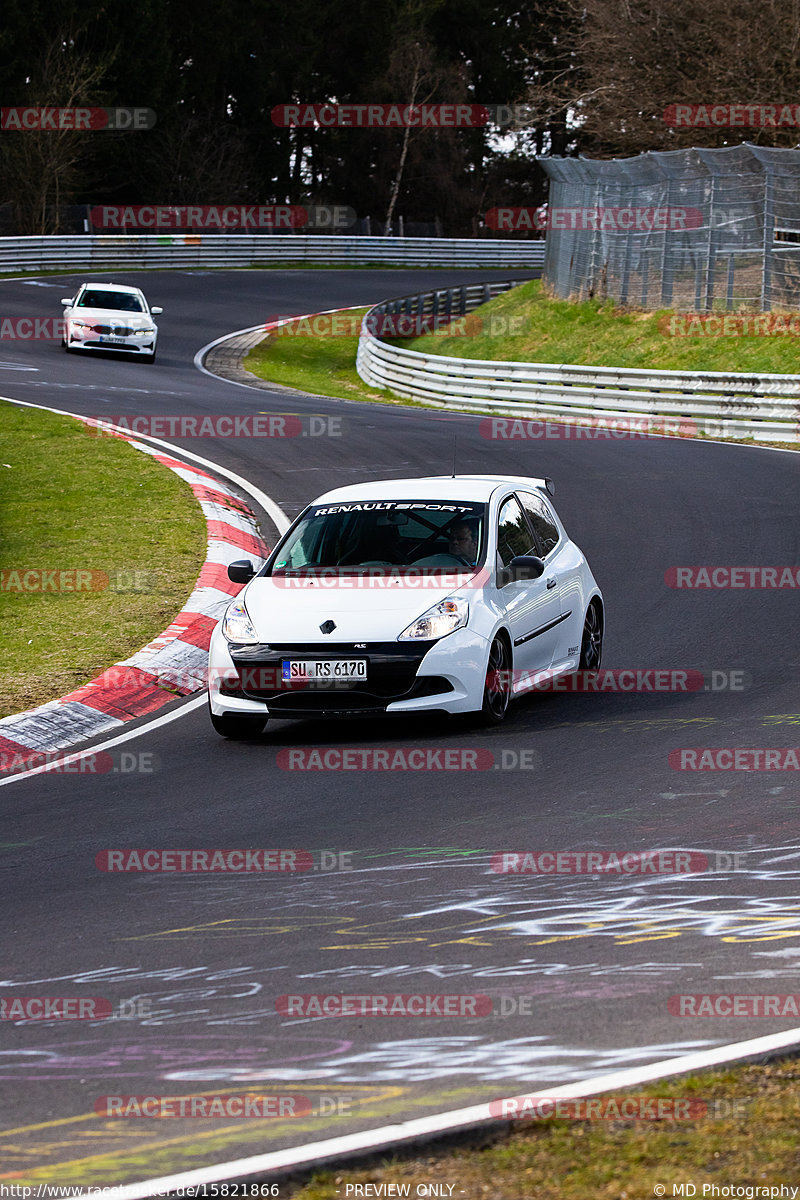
114,287
434,487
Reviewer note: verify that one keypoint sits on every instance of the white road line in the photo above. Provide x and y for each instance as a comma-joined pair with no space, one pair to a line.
266,326
226,337
58,764
461,1118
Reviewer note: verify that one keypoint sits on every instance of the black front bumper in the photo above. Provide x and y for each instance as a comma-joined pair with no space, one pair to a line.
391,675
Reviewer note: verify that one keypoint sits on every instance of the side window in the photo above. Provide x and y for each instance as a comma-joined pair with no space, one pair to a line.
513,535
542,521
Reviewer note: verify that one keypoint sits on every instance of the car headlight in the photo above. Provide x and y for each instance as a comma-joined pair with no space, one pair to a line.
79,324
236,624
443,618
143,332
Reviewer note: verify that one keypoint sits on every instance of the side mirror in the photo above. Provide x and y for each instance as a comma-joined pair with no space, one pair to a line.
525,566
241,571
67,300
155,311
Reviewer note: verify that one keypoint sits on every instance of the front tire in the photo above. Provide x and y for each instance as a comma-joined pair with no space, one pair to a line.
236,728
497,685
592,639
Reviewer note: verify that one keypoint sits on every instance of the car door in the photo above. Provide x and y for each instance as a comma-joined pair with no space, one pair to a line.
532,605
558,555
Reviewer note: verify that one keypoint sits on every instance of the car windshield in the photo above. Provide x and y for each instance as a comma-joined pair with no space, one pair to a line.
416,535
117,301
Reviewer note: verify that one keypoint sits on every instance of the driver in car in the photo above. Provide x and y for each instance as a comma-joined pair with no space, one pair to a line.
462,546
464,541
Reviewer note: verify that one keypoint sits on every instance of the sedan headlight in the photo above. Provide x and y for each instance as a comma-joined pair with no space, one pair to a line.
236,624
143,332
443,618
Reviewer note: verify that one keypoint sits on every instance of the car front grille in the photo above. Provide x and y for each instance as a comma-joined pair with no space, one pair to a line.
391,675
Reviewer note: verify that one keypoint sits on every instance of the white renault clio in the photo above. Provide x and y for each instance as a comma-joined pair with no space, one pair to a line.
448,594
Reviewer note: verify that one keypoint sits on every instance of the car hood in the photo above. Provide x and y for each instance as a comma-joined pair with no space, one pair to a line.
108,316
292,610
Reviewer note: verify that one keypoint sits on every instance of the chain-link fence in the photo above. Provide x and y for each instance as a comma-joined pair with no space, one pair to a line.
694,230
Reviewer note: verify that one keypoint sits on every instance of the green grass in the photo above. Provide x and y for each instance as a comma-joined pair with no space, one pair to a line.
73,501
560,1159
525,325
323,366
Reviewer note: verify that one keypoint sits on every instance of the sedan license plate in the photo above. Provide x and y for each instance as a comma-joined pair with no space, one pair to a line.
113,341
315,669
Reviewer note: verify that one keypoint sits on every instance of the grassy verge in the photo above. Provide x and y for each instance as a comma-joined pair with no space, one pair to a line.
522,325
752,1142
313,362
525,325
76,502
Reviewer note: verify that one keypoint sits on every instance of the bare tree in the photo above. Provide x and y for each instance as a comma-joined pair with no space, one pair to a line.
632,60
198,158
41,170
415,77
410,58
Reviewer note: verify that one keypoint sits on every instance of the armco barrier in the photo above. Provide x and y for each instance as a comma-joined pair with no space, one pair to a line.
718,403
101,252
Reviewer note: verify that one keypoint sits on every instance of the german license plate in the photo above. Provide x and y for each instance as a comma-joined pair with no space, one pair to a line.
112,341
314,669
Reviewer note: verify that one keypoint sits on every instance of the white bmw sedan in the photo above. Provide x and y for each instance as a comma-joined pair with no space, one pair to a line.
110,316
450,594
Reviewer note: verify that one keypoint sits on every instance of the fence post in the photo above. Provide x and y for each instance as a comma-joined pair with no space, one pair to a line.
769,238
711,249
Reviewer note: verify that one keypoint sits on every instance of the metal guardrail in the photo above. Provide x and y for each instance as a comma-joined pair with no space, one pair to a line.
98,252
716,403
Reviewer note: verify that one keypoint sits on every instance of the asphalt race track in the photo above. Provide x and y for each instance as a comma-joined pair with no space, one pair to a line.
579,967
